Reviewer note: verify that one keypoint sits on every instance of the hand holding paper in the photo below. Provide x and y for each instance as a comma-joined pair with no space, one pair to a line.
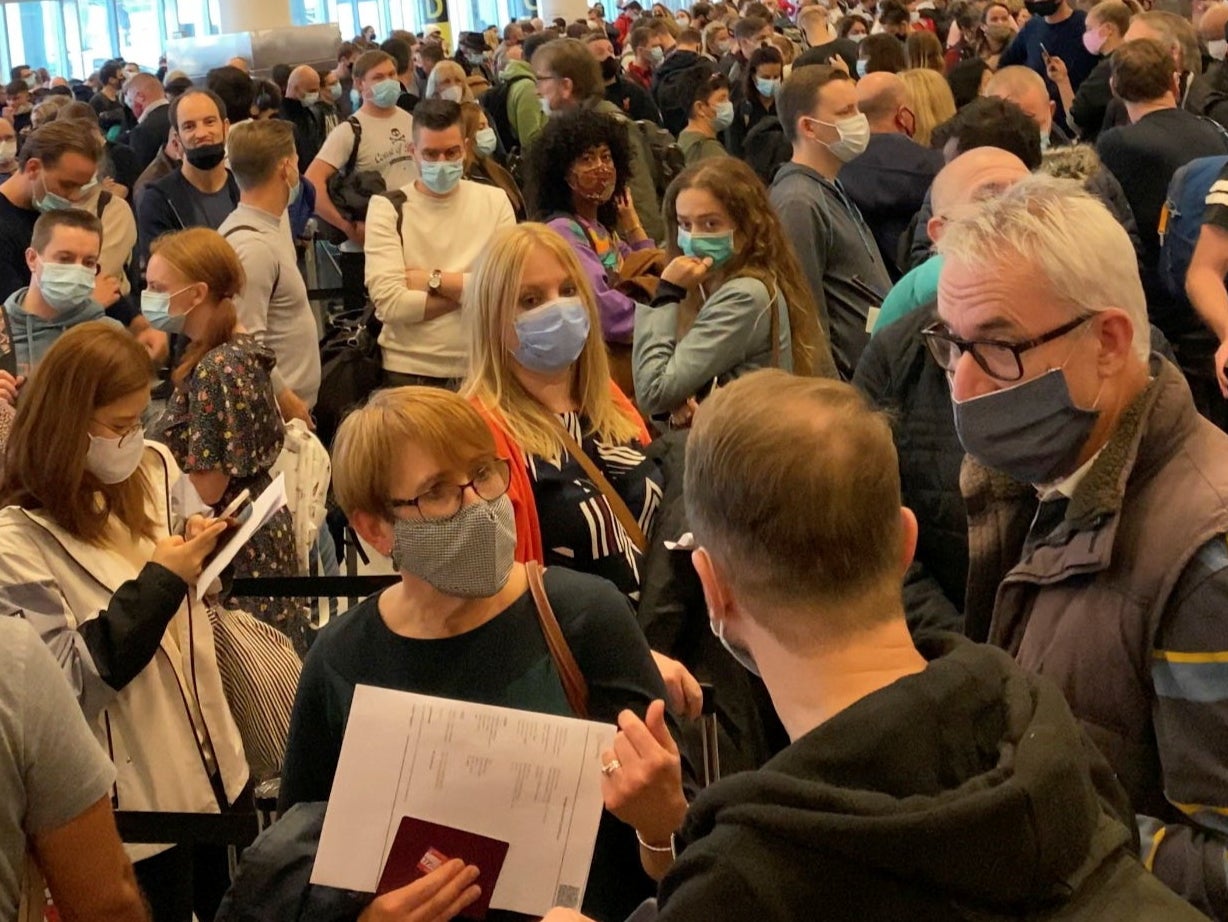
442,894
262,509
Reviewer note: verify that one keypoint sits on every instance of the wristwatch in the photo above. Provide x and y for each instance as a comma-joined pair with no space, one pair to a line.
436,282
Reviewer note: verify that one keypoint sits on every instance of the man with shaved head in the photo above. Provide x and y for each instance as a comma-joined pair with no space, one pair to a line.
889,180
144,95
1026,89
298,107
896,372
1211,30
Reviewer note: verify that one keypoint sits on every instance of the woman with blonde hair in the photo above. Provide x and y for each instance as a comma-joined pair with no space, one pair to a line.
95,552
481,156
448,80
732,299
539,373
933,101
222,423
923,49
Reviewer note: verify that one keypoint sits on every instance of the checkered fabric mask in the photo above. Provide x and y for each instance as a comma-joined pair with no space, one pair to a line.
468,556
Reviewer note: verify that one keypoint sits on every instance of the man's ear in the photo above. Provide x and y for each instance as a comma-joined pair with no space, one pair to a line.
31,258
716,593
933,227
908,543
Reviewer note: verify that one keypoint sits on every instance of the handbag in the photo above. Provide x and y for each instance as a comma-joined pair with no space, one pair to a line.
574,685
617,506
260,673
351,368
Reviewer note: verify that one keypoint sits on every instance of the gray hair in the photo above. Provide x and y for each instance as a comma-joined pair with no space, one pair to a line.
1068,239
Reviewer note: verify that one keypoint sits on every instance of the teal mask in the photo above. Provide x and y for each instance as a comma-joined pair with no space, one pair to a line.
441,176
716,247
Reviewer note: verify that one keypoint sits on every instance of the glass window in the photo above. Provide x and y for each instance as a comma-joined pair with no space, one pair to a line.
371,13
185,18
140,31
36,35
347,18
310,12
93,44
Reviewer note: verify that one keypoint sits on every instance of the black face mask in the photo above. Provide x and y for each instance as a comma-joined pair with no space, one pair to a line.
207,156
1042,7
609,68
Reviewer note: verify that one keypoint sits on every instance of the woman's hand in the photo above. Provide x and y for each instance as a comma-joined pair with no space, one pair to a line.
686,271
642,776
185,556
681,418
685,696
437,897
628,217
9,386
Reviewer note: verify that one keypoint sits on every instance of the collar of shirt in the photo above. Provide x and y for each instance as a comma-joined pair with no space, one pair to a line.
1067,486
149,108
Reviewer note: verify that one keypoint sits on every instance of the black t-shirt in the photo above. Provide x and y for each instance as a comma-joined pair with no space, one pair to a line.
504,662
16,229
212,208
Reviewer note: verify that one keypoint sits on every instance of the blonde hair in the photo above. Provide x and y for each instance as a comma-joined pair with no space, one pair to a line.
373,439
1066,237
491,301
256,148
932,101
448,68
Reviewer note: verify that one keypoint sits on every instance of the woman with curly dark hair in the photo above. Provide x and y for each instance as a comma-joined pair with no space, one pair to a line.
576,182
754,97
733,298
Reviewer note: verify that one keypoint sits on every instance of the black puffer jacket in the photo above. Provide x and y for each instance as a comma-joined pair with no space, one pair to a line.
897,373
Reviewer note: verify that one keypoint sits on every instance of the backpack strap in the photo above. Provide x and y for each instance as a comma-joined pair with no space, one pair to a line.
104,199
356,127
277,274
398,199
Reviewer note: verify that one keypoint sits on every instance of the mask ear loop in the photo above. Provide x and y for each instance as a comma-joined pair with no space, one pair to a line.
1100,390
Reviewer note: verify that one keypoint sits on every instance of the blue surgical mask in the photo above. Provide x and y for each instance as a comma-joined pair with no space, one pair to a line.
862,64
335,91
1033,432
553,335
49,201
767,86
355,99
386,93
441,176
656,55
156,307
65,286
723,117
743,657
296,192
310,99
717,247
485,142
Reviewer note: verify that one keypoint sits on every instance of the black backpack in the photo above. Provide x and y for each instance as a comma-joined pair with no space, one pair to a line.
351,190
668,160
674,94
494,101
765,149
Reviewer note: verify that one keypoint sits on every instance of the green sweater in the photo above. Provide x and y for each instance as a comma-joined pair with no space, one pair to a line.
524,109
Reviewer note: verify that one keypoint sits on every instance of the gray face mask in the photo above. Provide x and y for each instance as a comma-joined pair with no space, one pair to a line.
1033,432
745,660
468,556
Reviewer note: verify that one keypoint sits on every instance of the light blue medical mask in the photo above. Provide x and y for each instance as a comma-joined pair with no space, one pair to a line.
441,176
743,657
485,141
553,335
386,93
767,86
716,247
862,64
723,117
65,286
49,201
355,99
656,56
335,91
156,307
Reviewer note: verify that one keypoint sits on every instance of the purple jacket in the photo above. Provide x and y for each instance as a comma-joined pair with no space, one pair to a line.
616,309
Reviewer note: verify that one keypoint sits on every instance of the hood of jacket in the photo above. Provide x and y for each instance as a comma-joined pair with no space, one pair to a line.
970,778
679,60
20,322
516,69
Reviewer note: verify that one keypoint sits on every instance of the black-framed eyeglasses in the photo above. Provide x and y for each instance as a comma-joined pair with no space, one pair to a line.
444,500
998,359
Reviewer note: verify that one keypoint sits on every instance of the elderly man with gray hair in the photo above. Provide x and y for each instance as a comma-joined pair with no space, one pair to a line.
1097,501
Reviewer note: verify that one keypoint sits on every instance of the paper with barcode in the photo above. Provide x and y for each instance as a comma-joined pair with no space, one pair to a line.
531,780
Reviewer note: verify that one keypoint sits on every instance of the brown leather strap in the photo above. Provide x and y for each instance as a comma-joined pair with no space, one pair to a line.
572,678
617,506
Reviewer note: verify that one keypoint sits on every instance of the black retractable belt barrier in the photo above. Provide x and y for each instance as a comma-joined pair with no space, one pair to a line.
151,827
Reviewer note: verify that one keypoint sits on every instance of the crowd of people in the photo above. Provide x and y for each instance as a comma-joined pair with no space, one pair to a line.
865,361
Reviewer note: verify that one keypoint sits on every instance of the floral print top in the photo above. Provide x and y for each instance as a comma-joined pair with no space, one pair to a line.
225,415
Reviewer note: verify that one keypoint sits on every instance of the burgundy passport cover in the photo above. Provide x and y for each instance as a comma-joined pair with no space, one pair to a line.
420,847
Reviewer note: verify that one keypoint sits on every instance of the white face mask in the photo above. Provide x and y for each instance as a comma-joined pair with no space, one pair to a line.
452,94
854,136
1217,48
8,150
485,141
114,460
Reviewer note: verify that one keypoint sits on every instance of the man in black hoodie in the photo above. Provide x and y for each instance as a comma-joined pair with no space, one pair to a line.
929,782
671,89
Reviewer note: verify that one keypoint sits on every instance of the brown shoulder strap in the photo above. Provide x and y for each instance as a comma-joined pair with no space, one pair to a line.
574,685
617,506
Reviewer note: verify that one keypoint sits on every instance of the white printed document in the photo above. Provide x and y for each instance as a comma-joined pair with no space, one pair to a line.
531,780
262,509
